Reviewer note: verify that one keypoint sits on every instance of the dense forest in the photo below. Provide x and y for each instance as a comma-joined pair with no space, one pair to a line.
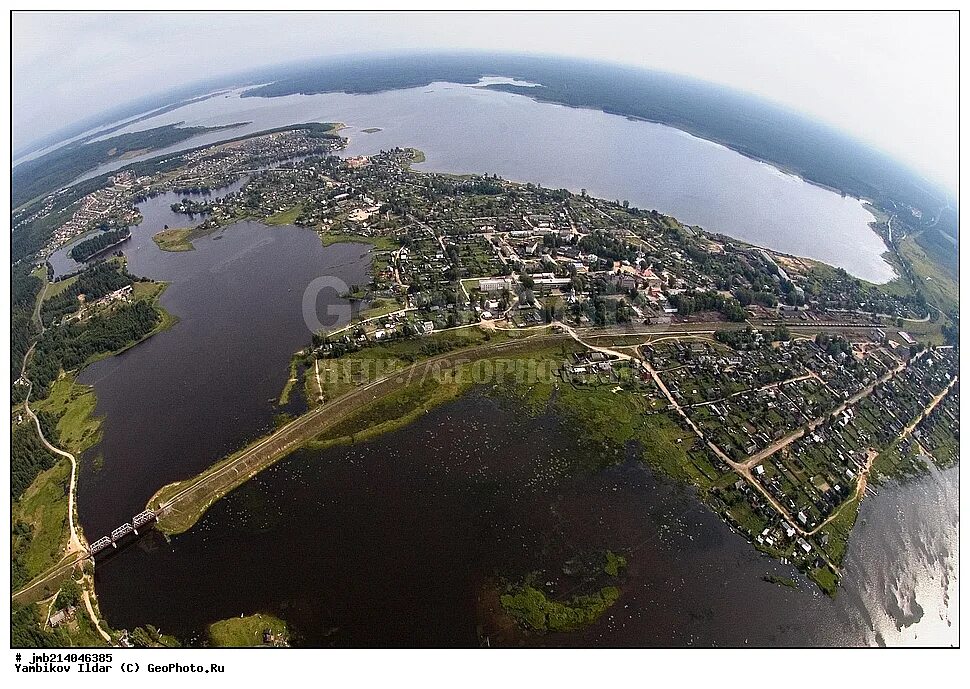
70,346
82,251
692,302
24,289
25,632
95,282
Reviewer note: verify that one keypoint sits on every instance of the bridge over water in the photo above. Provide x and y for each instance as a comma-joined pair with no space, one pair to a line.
140,520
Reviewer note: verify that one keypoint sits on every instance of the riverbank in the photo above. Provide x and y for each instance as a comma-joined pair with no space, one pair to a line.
46,535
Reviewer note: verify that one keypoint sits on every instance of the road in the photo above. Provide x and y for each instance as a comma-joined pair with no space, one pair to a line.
74,543
744,469
603,350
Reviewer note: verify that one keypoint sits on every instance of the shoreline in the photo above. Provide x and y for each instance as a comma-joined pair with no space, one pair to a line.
420,157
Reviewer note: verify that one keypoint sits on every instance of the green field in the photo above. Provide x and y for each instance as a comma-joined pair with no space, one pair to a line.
247,632
287,217
938,285
379,307
73,405
55,288
380,243
177,239
43,508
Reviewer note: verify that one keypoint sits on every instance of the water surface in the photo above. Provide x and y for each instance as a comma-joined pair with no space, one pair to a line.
464,129
176,403
390,543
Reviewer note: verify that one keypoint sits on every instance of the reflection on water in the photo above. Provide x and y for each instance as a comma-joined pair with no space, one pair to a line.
467,129
390,543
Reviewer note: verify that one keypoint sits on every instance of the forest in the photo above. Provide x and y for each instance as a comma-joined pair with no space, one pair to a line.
72,345
24,289
95,282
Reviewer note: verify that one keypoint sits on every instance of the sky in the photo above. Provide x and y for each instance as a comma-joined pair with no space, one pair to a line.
890,79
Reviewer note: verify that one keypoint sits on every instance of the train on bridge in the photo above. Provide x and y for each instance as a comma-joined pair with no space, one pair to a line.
139,521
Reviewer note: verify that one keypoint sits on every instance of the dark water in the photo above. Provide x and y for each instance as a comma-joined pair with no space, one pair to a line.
179,401
390,542
651,165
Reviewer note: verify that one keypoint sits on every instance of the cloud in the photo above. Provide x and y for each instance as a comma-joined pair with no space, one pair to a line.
888,78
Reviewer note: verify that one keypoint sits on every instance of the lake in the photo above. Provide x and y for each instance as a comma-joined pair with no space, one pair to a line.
464,129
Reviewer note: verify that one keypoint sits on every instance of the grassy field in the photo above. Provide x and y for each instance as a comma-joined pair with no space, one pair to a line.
152,292
340,375
246,632
55,288
939,286
379,243
839,529
43,507
393,411
288,386
287,217
176,239
73,404
379,307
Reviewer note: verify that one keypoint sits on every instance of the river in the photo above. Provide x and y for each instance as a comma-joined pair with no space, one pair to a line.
389,543
185,397
464,129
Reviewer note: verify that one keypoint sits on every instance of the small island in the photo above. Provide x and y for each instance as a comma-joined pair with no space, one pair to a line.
176,239
254,631
98,244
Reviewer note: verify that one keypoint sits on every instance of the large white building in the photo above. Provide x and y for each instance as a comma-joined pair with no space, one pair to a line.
494,284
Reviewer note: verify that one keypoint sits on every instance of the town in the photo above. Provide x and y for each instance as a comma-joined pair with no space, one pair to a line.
796,386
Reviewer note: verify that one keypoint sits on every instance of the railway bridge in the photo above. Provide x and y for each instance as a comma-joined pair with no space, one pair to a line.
139,521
